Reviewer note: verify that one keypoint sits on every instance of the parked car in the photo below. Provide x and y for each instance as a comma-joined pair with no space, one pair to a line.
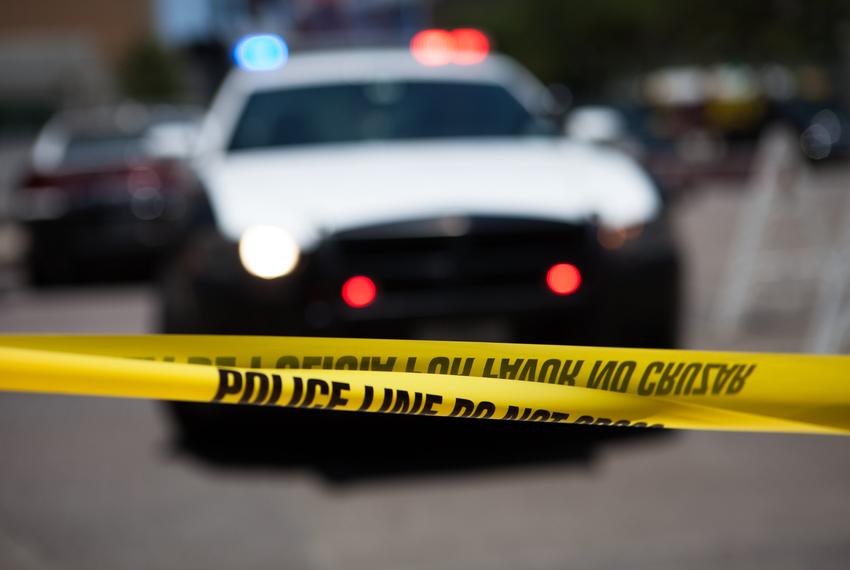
106,187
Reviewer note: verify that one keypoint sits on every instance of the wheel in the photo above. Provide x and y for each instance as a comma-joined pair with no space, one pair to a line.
193,422
179,312
198,424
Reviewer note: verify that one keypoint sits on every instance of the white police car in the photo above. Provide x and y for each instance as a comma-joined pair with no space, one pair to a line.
415,193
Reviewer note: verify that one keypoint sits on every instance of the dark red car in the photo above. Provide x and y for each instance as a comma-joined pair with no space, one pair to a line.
106,189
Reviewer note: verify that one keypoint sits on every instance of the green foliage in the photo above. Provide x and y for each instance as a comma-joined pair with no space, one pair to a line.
150,73
586,43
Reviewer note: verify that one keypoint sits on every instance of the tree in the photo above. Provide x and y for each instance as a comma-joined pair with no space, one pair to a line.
586,44
150,73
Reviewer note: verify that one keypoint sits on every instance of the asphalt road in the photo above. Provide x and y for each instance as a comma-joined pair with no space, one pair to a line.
101,483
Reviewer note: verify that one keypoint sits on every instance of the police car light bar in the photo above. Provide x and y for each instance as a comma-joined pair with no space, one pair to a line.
464,46
262,52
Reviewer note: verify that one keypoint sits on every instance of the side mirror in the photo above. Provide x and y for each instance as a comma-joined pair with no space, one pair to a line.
596,124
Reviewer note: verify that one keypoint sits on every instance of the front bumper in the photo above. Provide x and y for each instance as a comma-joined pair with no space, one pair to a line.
107,228
628,297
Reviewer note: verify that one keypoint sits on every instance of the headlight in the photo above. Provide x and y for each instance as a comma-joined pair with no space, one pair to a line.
268,252
651,234
615,238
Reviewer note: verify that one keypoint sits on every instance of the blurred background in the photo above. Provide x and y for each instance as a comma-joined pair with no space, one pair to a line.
739,112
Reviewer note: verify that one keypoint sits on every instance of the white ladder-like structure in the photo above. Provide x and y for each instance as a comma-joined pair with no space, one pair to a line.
831,318
780,173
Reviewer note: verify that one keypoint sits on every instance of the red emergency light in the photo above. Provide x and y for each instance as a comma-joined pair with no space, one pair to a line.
471,46
464,46
359,291
563,279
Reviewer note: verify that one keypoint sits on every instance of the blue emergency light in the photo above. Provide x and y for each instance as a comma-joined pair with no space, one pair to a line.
262,52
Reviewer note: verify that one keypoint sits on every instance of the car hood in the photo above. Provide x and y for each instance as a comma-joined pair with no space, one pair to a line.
313,191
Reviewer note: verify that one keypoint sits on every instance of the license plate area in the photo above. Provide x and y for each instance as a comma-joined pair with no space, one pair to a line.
481,330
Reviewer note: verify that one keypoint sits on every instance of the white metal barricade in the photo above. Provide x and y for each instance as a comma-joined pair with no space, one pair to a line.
831,318
780,180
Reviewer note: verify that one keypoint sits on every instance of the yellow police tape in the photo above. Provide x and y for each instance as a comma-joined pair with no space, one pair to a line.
556,384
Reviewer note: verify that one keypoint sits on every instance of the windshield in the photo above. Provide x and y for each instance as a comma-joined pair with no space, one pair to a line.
96,138
381,111
87,150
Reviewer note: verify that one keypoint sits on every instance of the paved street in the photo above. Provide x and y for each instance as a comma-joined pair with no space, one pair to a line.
100,483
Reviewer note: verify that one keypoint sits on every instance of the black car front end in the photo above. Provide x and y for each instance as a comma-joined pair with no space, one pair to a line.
474,278
104,222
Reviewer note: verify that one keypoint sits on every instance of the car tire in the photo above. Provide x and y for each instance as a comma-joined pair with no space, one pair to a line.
178,314
178,310
195,423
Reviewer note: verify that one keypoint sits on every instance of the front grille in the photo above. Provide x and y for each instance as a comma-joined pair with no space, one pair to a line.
494,253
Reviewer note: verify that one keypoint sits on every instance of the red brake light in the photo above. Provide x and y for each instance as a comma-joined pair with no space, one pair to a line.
563,278
359,291
471,46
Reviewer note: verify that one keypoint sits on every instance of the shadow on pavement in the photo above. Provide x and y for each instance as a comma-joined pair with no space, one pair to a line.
346,447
